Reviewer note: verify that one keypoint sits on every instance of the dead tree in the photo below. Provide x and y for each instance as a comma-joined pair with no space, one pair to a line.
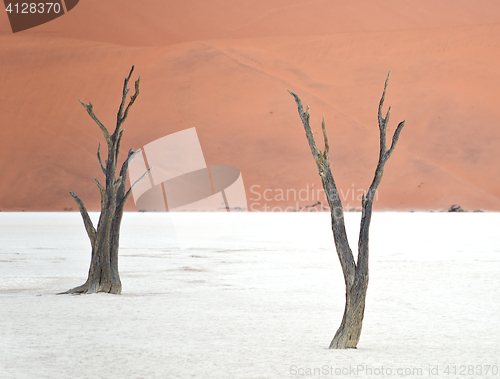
103,273
355,273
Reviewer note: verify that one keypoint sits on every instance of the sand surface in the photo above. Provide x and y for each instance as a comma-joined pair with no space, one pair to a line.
224,67
262,301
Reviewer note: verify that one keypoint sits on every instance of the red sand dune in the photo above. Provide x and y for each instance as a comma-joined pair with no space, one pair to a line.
224,67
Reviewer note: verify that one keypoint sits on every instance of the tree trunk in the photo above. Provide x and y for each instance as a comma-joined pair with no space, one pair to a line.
103,272
348,334
355,273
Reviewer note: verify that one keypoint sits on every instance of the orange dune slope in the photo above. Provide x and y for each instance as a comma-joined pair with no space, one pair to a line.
224,67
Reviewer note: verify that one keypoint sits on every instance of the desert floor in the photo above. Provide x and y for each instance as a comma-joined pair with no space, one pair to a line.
250,295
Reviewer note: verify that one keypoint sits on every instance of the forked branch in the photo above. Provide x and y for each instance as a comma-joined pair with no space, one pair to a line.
367,202
384,153
90,111
122,115
89,226
124,96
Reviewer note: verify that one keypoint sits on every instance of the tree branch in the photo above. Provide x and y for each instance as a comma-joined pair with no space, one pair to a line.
337,213
133,185
304,116
89,226
384,154
124,96
395,138
117,183
122,116
99,158
123,173
367,202
90,111
132,100
101,188
381,104
119,141
131,155
325,137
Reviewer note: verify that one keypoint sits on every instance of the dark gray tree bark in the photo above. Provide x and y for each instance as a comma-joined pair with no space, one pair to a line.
103,273
355,273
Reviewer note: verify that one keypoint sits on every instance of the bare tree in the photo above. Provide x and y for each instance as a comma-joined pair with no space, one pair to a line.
355,273
103,273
